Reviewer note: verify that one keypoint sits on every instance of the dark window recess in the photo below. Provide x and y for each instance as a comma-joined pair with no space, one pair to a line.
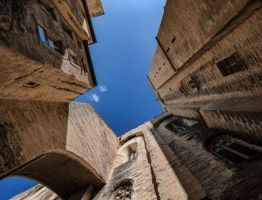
173,39
180,126
73,59
132,154
192,83
167,50
44,39
56,45
234,150
51,12
124,192
31,84
79,42
68,31
84,65
231,65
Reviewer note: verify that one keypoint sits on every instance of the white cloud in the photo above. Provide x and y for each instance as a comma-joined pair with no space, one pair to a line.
94,97
102,88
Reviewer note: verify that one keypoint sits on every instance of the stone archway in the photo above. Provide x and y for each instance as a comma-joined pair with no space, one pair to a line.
63,172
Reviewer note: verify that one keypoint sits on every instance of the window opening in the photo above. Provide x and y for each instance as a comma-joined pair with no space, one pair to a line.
73,58
231,65
234,150
68,31
42,34
57,45
173,39
131,154
51,12
124,192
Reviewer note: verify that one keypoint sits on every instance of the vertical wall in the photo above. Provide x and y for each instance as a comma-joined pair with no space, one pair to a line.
149,172
208,63
210,163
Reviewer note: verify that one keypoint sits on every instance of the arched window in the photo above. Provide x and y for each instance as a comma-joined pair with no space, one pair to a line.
123,192
125,158
233,149
132,152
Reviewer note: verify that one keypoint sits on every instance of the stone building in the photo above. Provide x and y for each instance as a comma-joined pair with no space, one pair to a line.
172,158
207,65
44,48
138,171
206,73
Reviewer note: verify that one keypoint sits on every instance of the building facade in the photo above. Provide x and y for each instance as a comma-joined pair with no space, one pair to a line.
177,158
138,171
44,48
208,63
206,74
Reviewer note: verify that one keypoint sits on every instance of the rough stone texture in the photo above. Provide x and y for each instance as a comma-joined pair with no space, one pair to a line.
95,7
199,89
218,178
161,69
137,172
38,138
31,69
186,26
168,184
23,78
37,192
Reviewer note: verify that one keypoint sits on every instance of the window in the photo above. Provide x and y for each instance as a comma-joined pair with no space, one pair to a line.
231,65
123,192
173,39
44,39
131,154
179,126
79,42
68,31
42,34
73,58
56,45
234,150
31,84
51,12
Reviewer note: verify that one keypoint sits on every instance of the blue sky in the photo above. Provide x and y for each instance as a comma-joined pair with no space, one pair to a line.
121,57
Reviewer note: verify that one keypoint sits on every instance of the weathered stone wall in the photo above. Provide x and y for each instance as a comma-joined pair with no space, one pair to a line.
217,178
95,7
137,172
151,172
54,138
23,52
218,31
167,182
208,80
161,69
37,192
186,26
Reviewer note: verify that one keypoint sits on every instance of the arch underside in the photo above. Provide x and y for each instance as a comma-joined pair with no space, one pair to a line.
65,174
